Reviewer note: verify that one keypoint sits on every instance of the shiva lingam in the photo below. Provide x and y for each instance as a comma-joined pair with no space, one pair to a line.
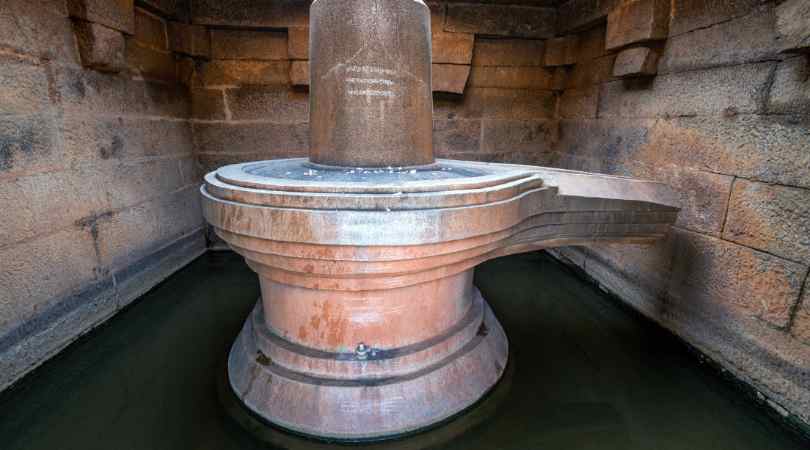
369,325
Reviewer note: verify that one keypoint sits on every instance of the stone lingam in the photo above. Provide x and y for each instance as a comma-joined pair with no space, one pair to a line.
369,325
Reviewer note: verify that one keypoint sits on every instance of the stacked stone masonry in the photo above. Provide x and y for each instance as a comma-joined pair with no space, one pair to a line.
107,122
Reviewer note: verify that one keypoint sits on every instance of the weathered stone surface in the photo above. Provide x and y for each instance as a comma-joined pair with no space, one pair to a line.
591,44
508,52
771,218
131,182
634,62
192,40
721,279
517,21
299,73
560,77
150,63
273,104
21,28
637,21
579,103
89,92
236,73
522,136
150,30
452,48
450,78
186,70
128,235
801,320
604,145
595,71
270,140
29,143
179,213
248,44
250,13
298,43
177,9
728,90
562,51
688,15
512,77
453,136
101,48
746,39
116,14
790,91
578,14
497,103
793,25
23,86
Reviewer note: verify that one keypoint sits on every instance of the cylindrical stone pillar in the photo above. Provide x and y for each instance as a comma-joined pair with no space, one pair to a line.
371,103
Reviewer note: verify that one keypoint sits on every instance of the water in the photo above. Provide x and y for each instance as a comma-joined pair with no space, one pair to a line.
585,374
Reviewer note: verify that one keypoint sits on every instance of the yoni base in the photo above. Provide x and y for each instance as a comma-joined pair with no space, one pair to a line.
367,407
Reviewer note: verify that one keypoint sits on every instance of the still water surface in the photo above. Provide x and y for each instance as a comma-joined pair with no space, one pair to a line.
584,374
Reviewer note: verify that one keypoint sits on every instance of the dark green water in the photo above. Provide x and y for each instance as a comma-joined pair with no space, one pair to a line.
585,374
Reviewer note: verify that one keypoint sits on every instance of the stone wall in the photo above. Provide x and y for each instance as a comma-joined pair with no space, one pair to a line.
98,185
712,98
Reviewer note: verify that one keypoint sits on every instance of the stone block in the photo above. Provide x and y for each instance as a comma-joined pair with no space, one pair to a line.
746,39
455,136
23,87
192,40
591,44
522,136
634,21
150,63
512,77
299,73
150,30
579,103
175,9
688,15
186,70
721,91
508,52
575,15
208,104
595,71
179,213
801,321
277,104
252,140
793,25
250,13
129,183
29,143
101,48
450,78
249,44
128,235
496,103
499,20
452,48
771,218
238,73
635,62
21,29
561,51
560,77
116,14
723,280
89,92
790,91
604,145
298,43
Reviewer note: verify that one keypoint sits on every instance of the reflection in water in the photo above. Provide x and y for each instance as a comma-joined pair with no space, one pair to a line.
583,374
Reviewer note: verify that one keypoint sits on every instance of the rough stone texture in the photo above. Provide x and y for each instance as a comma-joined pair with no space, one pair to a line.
790,92
298,43
592,72
579,103
516,21
116,14
101,48
452,48
591,44
246,44
456,136
450,78
497,103
150,30
635,21
192,40
508,52
578,14
512,77
250,13
792,19
299,73
750,38
521,136
235,73
175,9
562,51
634,62
801,323
150,63
688,15
21,29
271,140
728,90
254,102
775,219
